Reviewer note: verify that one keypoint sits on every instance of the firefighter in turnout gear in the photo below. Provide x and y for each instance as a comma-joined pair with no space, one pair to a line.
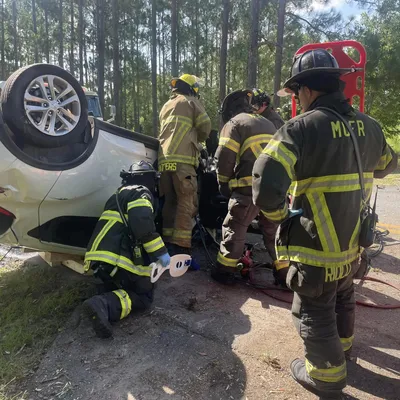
242,140
121,250
261,103
184,124
314,155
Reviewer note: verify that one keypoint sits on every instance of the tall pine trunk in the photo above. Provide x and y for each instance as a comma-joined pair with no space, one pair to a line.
72,40
80,39
224,50
61,36
3,60
34,25
197,43
174,29
15,33
253,51
279,48
101,46
116,70
154,65
46,26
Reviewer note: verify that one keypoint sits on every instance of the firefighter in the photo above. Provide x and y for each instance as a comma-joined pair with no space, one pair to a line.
184,124
242,139
315,154
262,105
121,250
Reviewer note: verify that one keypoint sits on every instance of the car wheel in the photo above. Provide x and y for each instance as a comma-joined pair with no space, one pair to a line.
45,105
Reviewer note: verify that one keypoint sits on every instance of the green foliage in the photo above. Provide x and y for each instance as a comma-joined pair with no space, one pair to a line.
198,47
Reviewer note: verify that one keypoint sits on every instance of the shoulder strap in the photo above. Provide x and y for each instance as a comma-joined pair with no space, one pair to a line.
356,149
121,213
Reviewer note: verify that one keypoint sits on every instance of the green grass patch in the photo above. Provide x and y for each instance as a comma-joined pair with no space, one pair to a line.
394,143
35,303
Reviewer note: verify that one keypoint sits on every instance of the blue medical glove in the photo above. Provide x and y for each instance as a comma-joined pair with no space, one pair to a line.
164,260
294,213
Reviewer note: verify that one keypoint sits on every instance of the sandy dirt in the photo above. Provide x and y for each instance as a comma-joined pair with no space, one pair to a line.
201,341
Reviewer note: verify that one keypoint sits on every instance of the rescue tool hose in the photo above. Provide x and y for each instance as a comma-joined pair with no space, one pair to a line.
274,293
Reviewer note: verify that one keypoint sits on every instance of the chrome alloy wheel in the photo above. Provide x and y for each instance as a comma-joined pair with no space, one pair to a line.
52,105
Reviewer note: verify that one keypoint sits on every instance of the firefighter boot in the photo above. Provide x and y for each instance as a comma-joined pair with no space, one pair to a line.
96,309
221,275
299,374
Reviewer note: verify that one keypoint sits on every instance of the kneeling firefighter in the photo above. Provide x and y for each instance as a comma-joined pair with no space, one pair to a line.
242,140
123,244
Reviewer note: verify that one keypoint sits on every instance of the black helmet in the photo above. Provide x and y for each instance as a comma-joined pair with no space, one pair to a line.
140,173
312,63
235,103
259,98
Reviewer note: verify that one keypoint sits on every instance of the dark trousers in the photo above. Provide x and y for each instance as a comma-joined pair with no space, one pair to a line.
324,313
138,288
241,212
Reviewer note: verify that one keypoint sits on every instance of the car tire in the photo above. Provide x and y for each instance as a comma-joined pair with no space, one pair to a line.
13,104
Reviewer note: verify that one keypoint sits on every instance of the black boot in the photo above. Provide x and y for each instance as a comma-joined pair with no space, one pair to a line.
221,275
96,309
299,374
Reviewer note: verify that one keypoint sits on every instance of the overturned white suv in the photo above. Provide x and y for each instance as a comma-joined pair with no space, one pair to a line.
57,165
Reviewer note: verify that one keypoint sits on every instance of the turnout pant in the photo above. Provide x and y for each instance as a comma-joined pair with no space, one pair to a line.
125,292
323,312
180,190
241,212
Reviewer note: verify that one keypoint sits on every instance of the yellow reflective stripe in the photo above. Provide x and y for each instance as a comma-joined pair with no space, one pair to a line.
337,272
281,264
111,216
175,119
277,215
355,235
384,160
347,343
316,258
178,136
178,159
126,302
333,374
255,142
153,245
140,203
228,262
229,143
279,152
323,222
201,119
223,178
182,234
241,182
102,233
120,261
331,183
167,231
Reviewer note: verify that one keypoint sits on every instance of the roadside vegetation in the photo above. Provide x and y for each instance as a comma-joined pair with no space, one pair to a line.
35,303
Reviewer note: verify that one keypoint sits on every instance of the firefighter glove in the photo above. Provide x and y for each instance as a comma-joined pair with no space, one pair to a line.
164,260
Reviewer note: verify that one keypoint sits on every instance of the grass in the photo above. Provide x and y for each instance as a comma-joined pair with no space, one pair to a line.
395,143
35,303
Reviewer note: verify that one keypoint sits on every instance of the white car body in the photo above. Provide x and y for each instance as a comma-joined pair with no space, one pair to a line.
39,196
